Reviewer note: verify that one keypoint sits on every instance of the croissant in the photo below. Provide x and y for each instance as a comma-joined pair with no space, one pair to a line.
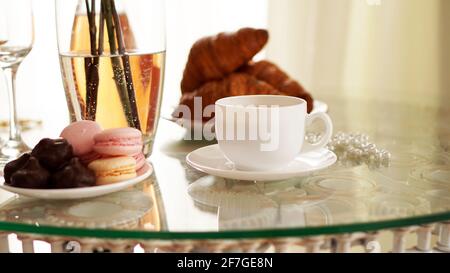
273,75
235,84
213,58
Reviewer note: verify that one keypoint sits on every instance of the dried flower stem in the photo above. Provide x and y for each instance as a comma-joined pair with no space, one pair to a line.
118,70
120,65
127,67
91,66
101,31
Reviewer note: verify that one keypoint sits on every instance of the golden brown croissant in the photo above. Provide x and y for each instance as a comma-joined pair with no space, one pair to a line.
236,84
213,58
273,75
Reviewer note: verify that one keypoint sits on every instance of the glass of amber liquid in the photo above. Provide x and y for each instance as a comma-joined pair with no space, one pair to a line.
112,55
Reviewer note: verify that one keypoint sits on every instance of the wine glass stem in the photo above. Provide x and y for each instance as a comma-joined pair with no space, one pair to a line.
10,73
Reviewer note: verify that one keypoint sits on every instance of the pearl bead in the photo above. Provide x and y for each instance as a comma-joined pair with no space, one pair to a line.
356,148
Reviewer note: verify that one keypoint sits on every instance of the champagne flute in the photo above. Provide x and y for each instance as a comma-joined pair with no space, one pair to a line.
16,41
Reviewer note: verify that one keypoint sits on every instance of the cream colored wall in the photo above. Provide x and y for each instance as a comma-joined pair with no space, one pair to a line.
397,49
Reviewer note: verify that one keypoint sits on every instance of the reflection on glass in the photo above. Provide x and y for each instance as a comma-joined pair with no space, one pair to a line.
137,208
333,197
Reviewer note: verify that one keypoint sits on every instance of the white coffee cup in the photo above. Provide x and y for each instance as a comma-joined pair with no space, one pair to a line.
265,132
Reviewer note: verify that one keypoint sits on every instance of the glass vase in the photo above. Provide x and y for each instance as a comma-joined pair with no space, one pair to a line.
112,55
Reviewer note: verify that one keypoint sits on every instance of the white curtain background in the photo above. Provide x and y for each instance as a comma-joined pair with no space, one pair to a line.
396,49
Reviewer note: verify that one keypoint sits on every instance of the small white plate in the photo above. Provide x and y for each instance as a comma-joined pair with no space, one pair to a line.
80,193
210,160
319,107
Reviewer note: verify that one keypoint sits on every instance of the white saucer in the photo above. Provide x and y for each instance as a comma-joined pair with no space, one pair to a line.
193,126
80,193
210,160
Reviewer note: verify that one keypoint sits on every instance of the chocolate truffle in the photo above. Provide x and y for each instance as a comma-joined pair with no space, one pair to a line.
73,175
14,166
53,154
32,176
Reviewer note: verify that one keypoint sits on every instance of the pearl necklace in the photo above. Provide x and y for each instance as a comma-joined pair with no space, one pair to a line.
356,149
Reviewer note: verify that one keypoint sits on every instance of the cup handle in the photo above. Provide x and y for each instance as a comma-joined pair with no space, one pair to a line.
308,147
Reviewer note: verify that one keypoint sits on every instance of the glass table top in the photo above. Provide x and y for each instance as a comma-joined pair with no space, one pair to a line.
178,202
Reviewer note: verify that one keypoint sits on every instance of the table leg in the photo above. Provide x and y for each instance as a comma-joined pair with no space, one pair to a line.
4,244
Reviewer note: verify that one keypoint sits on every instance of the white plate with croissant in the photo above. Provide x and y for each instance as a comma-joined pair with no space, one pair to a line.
202,128
222,66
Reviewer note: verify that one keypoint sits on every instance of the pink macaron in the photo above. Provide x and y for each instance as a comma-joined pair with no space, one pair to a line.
118,142
81,136
90,157
140,160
